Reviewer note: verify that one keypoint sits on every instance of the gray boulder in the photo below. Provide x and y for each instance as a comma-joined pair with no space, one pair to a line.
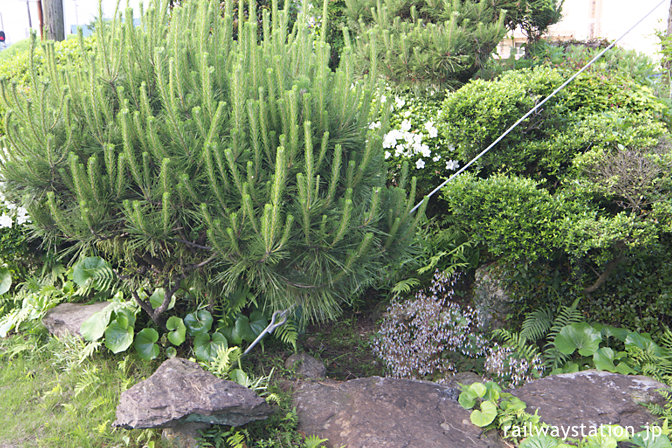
490,298
306,366
67,318
387,413
180,391
592,398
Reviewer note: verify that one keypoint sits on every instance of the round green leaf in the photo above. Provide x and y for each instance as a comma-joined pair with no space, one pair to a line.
171,352
485,416
206,347
5,280
540,441
579,336
119,335
156,299
198,322
643,342
614,332
604,359
145,343
177,335
85,269
242,331
467,399
478,389
257,323
94,327
240,377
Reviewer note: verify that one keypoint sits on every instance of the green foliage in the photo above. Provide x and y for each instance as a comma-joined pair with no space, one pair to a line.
511,216
199,180
16,63
574,55
5,280
63,393
18,254
493,409
35,296
544,145
177,330
145,343
571,344
426,43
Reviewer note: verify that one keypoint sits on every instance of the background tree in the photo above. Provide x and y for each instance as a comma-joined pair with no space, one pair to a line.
433,43
533,17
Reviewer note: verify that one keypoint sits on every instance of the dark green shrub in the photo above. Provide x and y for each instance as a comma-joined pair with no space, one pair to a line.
512,217
474,116
192,165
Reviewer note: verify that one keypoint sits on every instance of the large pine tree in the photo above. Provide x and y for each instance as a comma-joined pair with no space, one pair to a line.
196,160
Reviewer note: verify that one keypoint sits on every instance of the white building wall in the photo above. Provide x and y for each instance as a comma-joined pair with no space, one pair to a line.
585,19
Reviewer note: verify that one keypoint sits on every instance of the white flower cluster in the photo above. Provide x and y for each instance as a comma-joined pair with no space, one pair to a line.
511,370
15,213
407,143
423,336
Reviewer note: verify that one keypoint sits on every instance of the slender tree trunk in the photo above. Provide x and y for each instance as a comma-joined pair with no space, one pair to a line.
53,18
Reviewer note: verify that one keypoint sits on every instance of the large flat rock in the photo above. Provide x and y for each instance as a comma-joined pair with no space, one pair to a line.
67,318
592,398
180,391
386,413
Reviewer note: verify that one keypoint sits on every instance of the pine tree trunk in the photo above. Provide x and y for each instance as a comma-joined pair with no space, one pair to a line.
53,18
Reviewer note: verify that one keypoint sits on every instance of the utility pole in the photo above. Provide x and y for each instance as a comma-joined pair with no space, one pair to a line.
53,17
41,18
30,20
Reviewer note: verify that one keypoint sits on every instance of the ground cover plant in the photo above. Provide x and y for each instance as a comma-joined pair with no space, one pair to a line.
63,393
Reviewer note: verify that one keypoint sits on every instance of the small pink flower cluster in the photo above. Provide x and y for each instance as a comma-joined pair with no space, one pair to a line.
422,336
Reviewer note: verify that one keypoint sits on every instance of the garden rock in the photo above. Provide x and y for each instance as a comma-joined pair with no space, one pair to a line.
592,398
185,435
67,318
490,297
306,366
387,413
180,391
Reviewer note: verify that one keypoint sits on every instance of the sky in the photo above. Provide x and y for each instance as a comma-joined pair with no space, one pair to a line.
14,14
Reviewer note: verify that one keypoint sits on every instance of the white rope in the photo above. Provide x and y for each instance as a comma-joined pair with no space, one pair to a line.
535,108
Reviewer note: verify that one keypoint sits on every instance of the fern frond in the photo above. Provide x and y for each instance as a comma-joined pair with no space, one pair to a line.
404,286
515,341
287,333
226,357
536,324
566,315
